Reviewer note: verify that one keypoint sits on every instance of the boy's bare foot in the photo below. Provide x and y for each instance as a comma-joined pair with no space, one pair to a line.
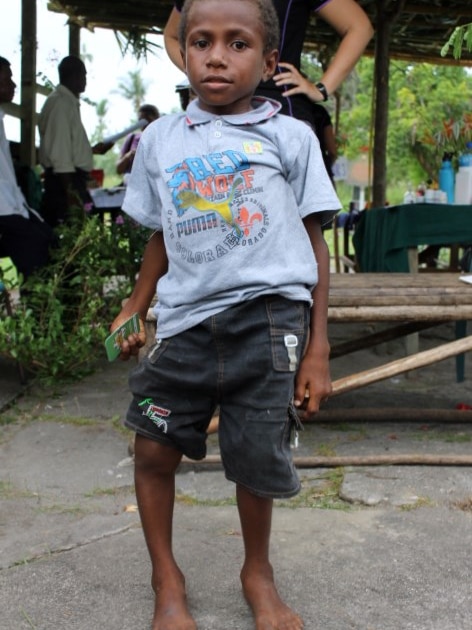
270,612
171,610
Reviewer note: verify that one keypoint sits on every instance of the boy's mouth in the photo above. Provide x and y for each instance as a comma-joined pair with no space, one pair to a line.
215,79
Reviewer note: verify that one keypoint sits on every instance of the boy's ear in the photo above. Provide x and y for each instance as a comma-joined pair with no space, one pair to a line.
270,64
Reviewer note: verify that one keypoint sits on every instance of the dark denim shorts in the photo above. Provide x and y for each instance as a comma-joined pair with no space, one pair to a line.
243,359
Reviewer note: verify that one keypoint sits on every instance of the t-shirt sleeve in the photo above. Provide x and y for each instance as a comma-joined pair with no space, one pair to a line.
310,182
142,201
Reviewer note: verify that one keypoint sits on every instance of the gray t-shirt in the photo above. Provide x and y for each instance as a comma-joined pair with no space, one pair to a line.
229,194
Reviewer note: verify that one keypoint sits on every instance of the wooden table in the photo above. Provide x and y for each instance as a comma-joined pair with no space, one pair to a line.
411,302
108,200
384,236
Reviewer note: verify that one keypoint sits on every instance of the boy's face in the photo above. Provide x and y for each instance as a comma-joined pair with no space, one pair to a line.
224,56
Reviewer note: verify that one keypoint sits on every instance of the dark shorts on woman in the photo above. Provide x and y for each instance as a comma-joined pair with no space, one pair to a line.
243,360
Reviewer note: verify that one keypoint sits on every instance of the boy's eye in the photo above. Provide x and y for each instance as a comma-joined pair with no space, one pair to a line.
239,45
200,44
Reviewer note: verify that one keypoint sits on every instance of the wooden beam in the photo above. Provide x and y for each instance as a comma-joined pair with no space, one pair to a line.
410,459
422,416
28,82
74,39
413,362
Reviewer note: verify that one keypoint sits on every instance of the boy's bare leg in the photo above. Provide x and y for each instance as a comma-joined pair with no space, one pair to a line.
155,467
257,576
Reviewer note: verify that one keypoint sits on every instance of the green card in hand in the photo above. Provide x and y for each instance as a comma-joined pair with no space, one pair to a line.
113,342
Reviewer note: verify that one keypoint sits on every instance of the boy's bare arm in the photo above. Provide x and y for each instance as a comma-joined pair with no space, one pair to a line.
313,381
153,266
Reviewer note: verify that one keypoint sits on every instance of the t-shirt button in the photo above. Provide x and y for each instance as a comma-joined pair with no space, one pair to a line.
218,123
217,134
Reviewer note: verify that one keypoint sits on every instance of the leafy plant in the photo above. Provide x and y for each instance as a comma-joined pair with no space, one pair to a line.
58,328
460,39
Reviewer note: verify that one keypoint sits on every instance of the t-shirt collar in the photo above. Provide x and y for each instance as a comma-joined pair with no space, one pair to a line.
262,109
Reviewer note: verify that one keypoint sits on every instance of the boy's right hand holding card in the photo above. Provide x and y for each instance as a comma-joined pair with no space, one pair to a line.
130,344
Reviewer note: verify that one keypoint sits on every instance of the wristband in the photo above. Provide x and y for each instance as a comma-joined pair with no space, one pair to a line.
322,88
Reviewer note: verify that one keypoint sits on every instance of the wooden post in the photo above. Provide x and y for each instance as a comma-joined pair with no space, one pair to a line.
74,39
28,82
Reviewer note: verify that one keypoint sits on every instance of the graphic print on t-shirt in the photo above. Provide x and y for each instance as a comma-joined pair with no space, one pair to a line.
215,192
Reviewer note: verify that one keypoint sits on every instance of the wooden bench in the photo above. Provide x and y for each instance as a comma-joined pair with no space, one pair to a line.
411,302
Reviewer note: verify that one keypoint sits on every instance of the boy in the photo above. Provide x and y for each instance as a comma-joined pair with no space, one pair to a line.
242,271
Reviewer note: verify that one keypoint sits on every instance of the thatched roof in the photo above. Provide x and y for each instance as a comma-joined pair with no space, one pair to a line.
419,28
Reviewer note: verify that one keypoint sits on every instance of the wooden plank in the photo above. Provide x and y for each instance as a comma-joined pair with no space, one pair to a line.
399,313
382,372
390,289
408,459
386,281
406,298
390,414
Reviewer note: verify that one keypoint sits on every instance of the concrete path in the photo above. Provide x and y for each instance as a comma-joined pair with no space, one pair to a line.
367,548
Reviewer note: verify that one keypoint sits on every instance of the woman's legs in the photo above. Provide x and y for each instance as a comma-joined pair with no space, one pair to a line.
257,575
155,466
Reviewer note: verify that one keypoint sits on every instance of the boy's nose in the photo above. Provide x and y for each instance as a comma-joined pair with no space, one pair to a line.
217,56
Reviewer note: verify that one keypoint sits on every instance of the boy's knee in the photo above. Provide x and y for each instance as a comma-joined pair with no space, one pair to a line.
153,457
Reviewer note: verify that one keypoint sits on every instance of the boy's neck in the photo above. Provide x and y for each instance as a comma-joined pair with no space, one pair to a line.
227,110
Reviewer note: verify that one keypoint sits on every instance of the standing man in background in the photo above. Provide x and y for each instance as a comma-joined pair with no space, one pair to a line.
24,236
148,114
65,151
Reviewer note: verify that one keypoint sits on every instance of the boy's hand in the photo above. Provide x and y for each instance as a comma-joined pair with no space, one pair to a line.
130,346
312,384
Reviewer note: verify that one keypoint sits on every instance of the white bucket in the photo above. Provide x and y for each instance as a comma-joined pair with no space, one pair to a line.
463,188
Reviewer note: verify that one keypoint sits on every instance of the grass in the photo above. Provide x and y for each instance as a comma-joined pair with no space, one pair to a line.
324,495
451,437
57,508
109,492
420,502
185,499
320,492
465,505
326,450
8,491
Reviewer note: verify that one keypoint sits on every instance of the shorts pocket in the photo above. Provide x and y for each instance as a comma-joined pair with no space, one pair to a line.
157,350
288,330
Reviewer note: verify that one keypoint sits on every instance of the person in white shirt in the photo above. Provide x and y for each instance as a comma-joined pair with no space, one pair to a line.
65,151
24,236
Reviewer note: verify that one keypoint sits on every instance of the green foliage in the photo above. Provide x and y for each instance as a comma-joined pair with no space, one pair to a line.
58,328
421,98
136,40
133,88
460,39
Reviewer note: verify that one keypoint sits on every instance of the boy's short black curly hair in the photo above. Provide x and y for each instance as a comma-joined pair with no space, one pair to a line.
267,14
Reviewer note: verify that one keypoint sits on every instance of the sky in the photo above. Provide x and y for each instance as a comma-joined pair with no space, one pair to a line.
105,70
